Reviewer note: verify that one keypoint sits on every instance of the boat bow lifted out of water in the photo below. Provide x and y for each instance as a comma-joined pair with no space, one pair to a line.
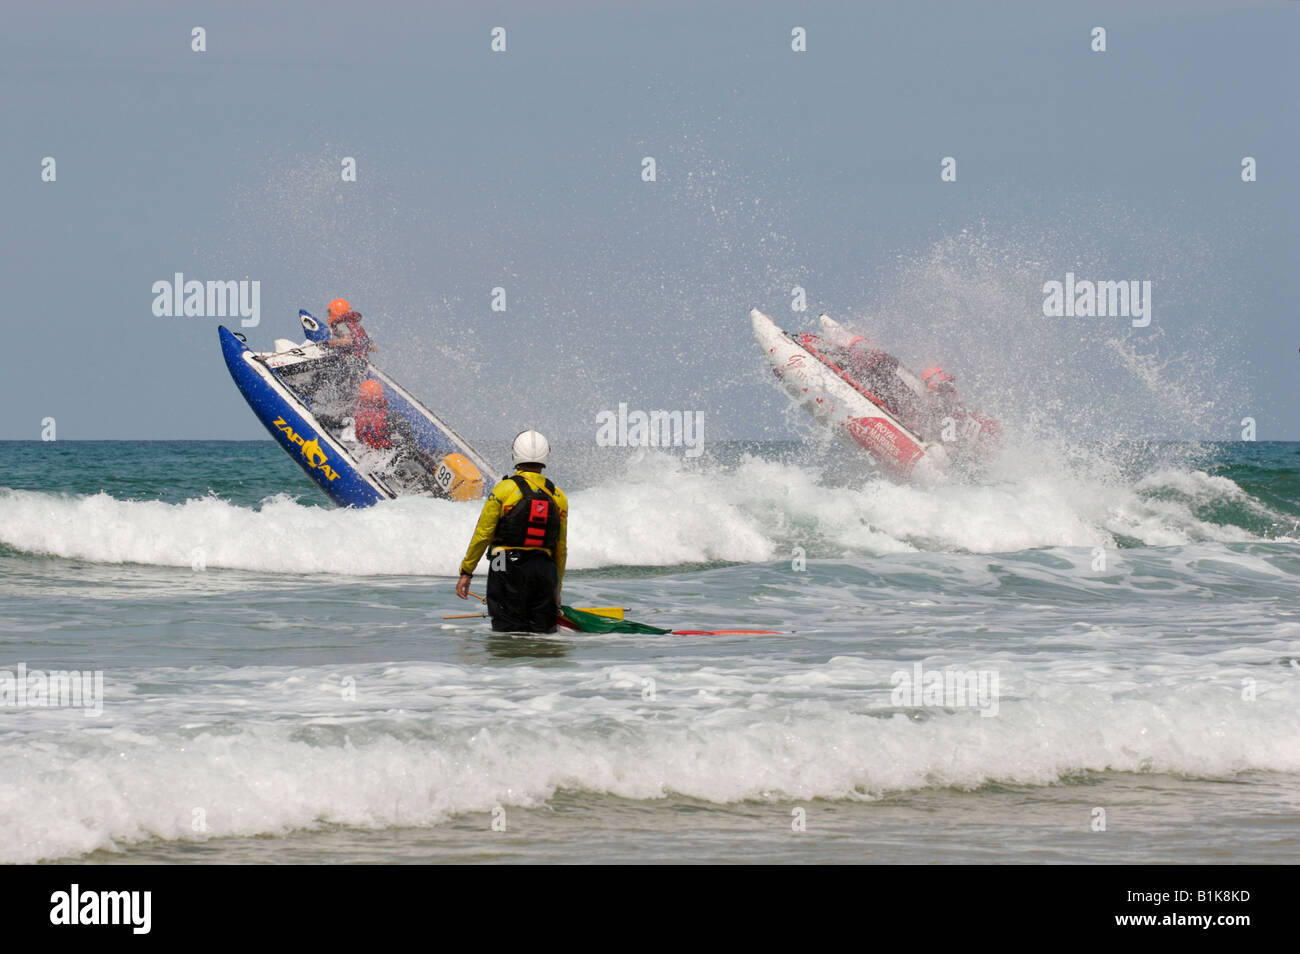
305,395
899,433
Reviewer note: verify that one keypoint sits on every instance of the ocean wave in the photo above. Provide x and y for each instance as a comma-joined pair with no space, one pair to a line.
664,511
429,742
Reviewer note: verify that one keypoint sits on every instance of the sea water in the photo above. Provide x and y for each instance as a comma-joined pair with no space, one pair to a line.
1092,657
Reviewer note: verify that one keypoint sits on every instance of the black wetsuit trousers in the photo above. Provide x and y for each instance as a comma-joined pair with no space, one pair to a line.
521,595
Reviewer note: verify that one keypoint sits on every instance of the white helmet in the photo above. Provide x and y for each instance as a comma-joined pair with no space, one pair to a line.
530,447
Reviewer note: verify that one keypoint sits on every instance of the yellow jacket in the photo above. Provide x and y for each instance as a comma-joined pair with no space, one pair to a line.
502,500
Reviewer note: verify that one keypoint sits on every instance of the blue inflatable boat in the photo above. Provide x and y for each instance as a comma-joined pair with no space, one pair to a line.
305,395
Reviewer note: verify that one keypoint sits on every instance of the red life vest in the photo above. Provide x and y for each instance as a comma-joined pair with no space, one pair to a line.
360,340
533,522
370,421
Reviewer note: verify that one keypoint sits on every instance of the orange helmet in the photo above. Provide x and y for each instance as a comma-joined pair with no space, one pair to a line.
933,377
338,308
372,392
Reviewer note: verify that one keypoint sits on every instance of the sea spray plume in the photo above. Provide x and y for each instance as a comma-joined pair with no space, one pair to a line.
655,319
1076,410
646,315
321,236
972,302
1174,381
322,231
1073,395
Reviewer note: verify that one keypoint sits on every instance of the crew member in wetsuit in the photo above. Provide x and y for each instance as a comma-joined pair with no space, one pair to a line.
524,529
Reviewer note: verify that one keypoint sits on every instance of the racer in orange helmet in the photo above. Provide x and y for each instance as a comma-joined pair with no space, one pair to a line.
348,333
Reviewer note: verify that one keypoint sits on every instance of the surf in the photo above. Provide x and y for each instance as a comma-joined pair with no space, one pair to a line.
756,504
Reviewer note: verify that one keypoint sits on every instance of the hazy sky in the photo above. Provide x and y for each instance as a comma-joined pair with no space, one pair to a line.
774,168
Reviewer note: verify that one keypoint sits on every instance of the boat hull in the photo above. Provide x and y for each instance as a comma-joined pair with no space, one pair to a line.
329,455
837,401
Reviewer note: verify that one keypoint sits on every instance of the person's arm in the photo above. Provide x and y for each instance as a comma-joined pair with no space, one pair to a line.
483,534
561,546
343,340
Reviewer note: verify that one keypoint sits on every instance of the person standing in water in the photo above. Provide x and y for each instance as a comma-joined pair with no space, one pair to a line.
524,529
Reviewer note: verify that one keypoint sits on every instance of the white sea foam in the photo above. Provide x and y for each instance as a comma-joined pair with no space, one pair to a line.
422,743
660,512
